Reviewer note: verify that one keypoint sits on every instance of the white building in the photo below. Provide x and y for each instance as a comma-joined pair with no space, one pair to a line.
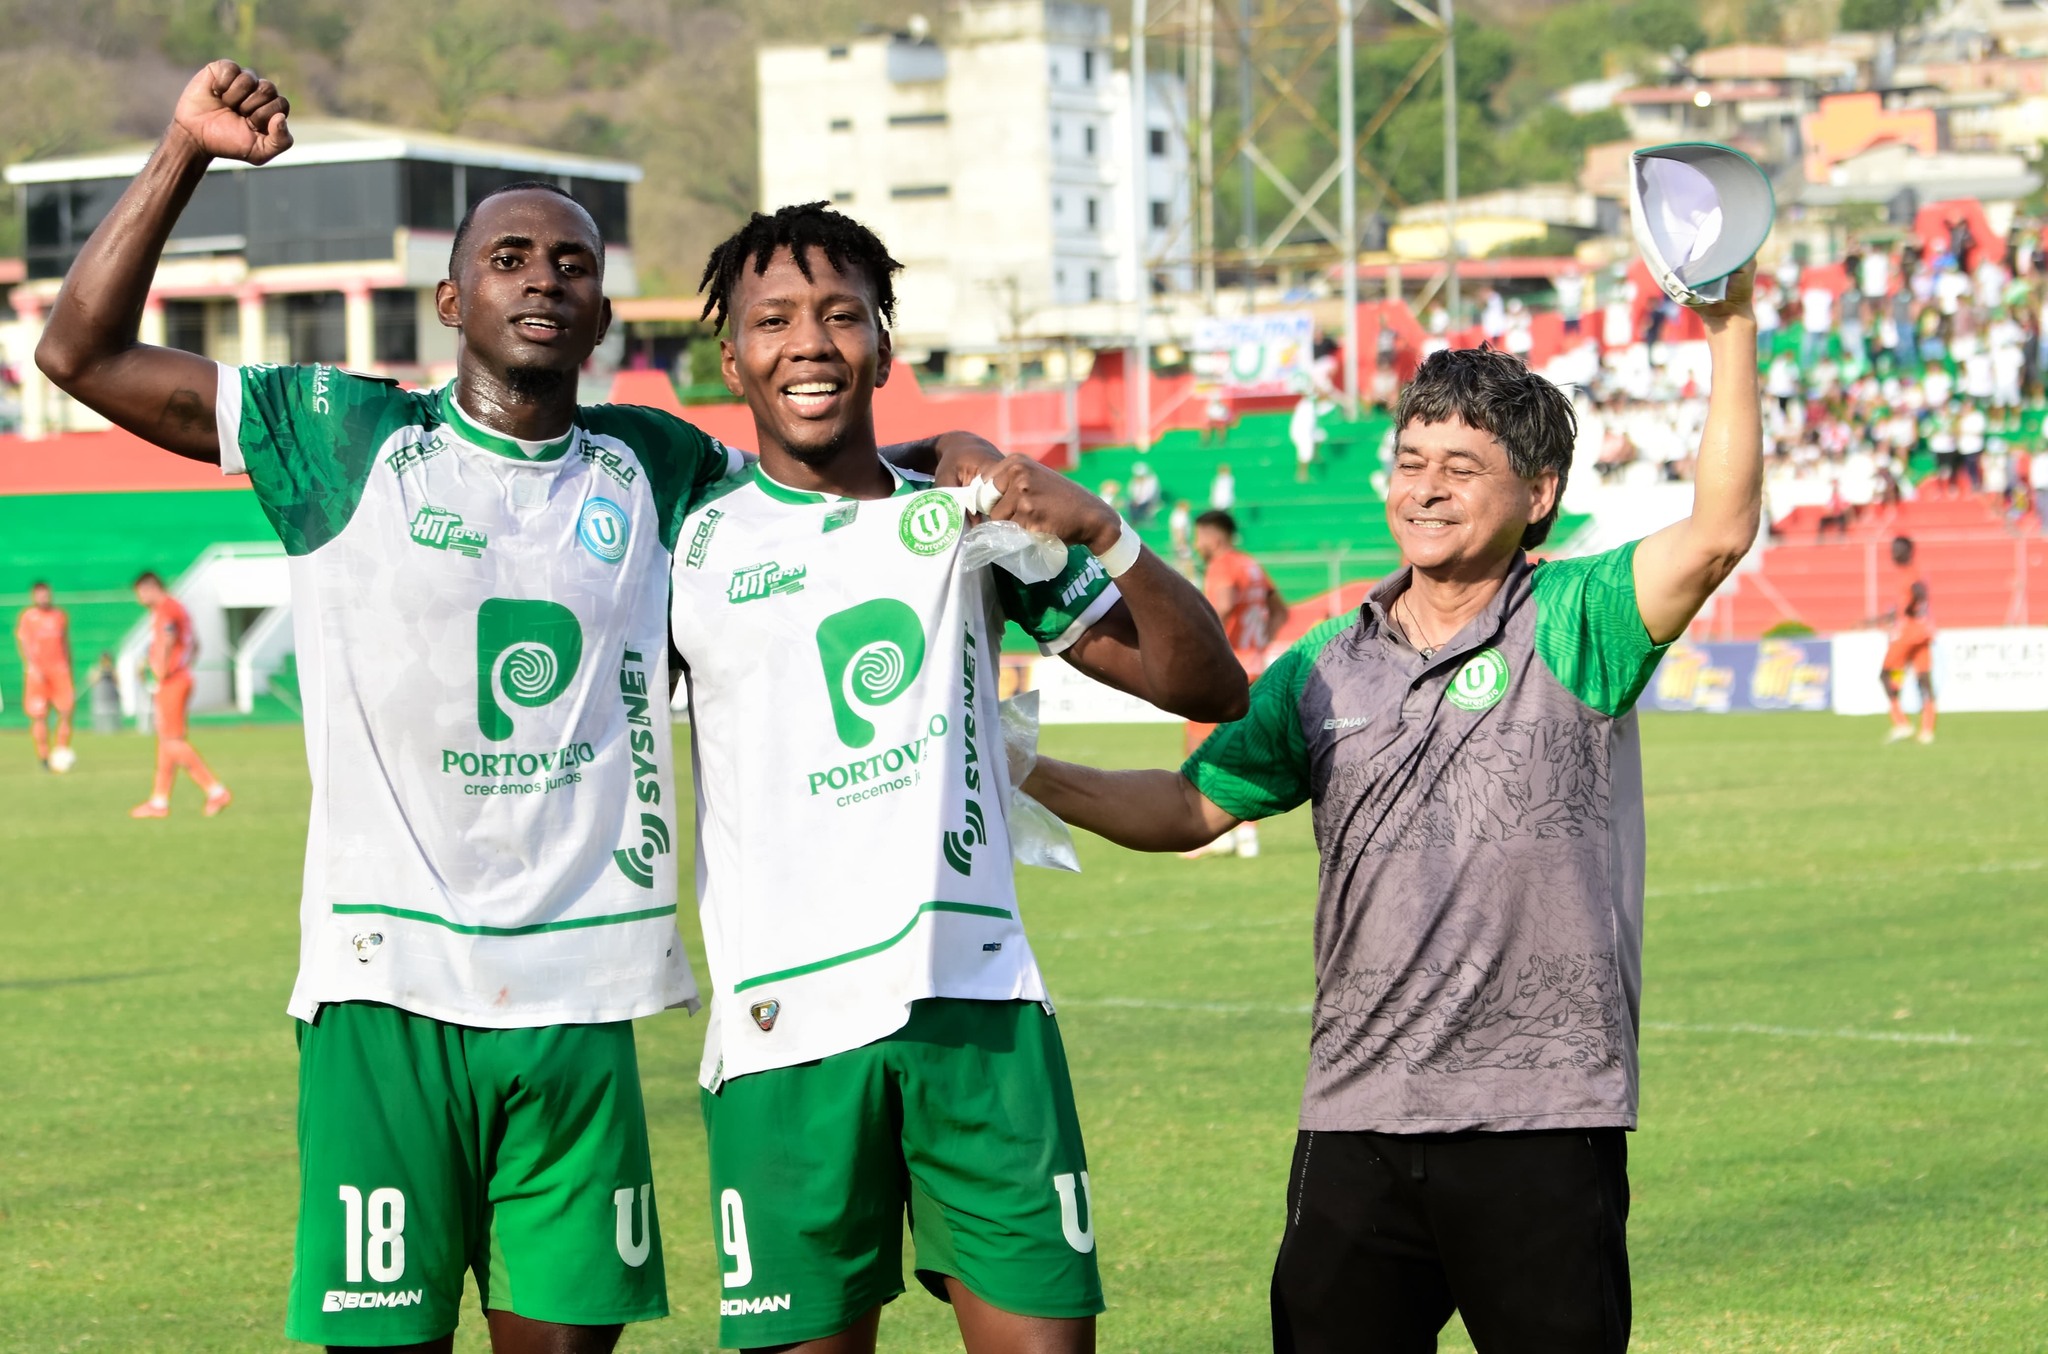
328,254
995,163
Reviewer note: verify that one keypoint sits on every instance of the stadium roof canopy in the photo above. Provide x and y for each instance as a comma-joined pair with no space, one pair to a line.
339,141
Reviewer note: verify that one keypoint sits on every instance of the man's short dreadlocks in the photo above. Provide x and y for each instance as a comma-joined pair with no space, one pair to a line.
848,246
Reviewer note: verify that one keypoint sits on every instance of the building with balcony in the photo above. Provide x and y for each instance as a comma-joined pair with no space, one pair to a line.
328,254
995,161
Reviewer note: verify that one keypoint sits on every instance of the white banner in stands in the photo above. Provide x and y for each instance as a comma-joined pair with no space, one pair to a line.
1067,697
2003,669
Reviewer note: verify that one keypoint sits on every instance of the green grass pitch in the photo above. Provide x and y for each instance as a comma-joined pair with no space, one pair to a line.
1845,1053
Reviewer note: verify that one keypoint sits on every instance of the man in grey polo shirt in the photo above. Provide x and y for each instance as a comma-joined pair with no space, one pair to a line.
1468,742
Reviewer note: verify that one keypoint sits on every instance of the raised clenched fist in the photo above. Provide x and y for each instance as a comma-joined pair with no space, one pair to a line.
233,114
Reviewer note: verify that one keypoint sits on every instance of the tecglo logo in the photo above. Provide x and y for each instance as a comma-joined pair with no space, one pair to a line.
526,655
872,654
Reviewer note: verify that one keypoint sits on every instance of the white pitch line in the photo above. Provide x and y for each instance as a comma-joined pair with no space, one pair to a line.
1947,1038
1862,877
1205,1007
1190,928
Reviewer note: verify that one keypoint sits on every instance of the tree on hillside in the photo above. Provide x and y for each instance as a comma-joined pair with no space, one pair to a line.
437,63
1661,25
1884,16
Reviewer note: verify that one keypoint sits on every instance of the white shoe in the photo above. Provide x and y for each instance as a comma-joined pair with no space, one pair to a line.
1247,835
1926,735
1899,733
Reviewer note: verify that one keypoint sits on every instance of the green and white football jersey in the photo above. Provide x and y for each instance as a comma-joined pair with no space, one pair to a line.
852,853
483,662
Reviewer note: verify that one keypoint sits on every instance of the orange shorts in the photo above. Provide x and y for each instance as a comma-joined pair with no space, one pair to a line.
41,692
1914,654
173,694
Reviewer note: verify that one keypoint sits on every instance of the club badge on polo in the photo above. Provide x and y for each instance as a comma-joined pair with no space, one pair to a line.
1700,212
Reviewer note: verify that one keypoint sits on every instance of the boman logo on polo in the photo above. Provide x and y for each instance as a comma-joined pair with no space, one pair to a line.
526,655
930,522
1481,683
603,528
871,654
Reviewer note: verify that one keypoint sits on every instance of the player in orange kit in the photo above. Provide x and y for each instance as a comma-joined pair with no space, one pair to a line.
43,634
1911,647
172,648
1253,612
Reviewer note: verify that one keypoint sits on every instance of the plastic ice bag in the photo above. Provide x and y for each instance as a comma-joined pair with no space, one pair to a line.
1037,836
1033,556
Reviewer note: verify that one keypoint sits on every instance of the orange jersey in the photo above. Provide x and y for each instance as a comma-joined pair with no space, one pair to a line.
1913,623
1240,591
45,639
170,638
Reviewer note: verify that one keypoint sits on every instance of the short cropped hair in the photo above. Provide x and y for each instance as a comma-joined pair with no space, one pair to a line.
1495,392
146,576
519,186
1220,520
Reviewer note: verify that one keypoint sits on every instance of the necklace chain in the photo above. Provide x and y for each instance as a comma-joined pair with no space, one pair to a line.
1413,626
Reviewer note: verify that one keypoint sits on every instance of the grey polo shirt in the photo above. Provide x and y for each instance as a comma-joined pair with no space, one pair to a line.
1478,937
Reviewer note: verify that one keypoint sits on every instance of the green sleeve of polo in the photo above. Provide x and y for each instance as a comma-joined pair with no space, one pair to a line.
1258,766
1059,611
1589,631
682,460
308,438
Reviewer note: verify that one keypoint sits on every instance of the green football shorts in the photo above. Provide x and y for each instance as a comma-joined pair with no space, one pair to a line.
427,1149
964,1118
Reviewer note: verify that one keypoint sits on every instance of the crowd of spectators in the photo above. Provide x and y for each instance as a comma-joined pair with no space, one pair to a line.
1923,375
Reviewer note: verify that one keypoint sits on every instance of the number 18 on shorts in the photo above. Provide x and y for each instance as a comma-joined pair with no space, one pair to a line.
429,1150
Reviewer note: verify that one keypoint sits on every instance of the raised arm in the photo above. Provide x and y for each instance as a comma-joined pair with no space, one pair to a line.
1162,641
1678,568
1143,810
90,348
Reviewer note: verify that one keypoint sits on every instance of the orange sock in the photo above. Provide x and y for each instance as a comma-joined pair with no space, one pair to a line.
195,767
1927,716
41,734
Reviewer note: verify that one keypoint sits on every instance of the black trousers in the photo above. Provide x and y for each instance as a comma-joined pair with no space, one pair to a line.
1523,1234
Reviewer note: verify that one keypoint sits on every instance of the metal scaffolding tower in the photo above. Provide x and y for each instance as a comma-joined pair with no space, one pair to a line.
1273,52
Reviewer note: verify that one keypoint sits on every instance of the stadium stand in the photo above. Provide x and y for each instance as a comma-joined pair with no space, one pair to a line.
1981,571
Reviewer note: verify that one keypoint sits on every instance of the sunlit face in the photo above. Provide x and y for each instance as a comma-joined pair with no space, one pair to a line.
1209,540
530,294
39,596
806,354
1454,501
148,593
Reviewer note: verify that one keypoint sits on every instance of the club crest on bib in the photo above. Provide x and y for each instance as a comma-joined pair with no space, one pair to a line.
930,522
603,528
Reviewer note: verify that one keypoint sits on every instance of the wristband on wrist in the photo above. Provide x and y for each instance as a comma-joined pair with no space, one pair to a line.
1118,559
